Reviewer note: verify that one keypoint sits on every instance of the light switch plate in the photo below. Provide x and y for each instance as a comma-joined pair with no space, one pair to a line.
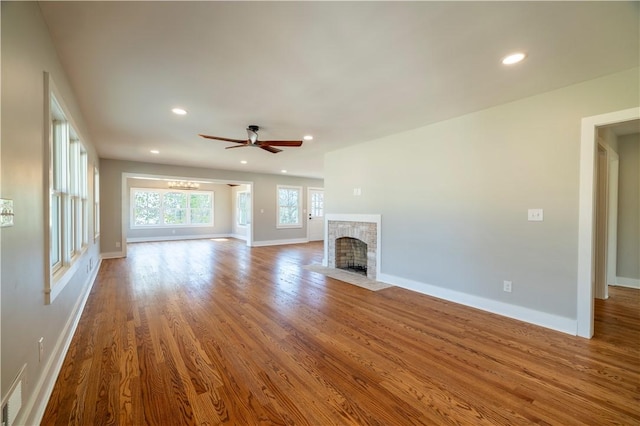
6,212
535,215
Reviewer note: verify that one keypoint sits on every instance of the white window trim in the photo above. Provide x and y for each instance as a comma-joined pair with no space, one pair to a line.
248,213
298,224
59,275
162,225
96,202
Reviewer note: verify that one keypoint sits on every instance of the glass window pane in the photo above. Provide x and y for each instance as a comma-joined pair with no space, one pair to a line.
201,216
317,204
242,207
289,206
175,208
54,225
146,209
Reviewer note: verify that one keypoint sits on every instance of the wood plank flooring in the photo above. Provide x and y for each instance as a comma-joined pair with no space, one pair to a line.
212,332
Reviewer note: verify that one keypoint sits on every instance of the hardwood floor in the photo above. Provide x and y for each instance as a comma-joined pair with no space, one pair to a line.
212,332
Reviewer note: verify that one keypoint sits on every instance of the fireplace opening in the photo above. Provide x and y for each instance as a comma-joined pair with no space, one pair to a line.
351,255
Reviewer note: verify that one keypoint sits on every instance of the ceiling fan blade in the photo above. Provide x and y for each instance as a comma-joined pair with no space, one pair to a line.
238,146
243,141
282,143
270,149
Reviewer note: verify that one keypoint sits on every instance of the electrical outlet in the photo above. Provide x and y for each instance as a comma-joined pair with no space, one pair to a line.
506,286
40,349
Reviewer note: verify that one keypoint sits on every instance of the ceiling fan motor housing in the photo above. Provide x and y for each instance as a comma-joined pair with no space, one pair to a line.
253,128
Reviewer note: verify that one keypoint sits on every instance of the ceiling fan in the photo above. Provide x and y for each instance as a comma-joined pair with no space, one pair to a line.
252,133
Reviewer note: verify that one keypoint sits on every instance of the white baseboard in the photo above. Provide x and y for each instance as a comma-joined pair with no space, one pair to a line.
32,412
112,255
628,282
279,242
543,319
176,238
238,237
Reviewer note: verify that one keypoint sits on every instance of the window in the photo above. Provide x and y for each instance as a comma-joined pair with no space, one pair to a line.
175,208
289,206
200,209
243,204
68,199
317,204
96,203
170,208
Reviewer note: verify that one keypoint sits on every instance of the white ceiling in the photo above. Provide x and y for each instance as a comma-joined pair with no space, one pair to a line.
345,72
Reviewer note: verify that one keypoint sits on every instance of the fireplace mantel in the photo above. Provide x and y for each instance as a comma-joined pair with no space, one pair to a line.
355,219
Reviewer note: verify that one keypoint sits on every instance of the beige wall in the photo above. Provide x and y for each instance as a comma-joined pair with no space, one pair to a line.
629,207
221,214
454,198
27,52
264,198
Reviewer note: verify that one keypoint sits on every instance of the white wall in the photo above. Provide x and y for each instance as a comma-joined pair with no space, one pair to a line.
27,52
454,197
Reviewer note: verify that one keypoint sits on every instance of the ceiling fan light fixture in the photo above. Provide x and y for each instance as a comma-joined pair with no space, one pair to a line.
179,111
514,58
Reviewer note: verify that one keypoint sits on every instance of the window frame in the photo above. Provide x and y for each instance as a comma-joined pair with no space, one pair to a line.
298,223
66,171
162,224
96,202
246,194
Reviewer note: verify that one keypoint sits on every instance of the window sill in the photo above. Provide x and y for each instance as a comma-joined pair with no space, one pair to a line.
63,276
199,225
60,280
297,226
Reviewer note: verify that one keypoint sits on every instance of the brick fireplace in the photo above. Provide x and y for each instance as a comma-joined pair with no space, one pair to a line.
352,242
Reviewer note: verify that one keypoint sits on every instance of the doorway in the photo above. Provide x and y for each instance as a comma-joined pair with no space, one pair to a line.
126,213
315,210
586,220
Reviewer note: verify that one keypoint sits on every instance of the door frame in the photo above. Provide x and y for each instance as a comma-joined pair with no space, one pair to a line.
308,212
588,146
601,218
612,228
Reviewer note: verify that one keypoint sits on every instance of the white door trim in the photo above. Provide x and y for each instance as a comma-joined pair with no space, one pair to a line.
308,210
586,213
612,251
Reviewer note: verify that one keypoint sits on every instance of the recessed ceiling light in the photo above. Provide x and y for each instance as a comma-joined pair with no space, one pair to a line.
283,171
514,58
243,161
154,151
308,138
179,111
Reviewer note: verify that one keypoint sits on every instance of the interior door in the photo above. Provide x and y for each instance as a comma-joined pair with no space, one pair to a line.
315,210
